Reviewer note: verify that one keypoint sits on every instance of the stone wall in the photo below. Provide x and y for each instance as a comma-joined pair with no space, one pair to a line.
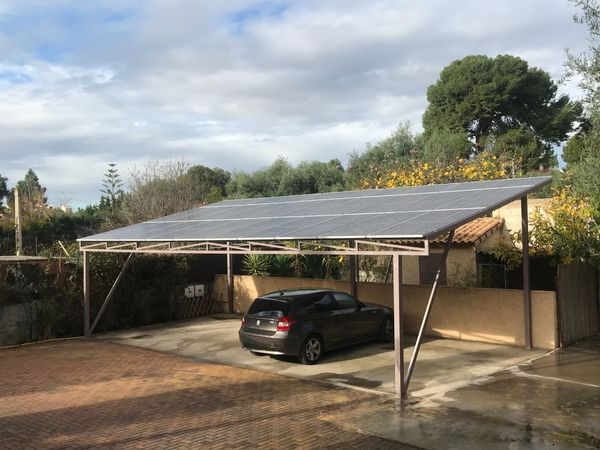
16,323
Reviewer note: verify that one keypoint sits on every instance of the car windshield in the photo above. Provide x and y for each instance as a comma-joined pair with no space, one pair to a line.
264,307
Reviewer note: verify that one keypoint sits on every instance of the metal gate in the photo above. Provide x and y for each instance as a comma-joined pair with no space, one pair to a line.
577,296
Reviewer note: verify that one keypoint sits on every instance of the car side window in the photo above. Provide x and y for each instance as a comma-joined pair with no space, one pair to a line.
320,305
345,301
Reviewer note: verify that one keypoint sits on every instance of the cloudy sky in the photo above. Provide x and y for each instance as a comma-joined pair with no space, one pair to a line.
235,83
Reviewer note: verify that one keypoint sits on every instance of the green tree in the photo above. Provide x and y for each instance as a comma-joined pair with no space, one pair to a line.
311,177
584,160
281,178
3,191
574,149
522,150
392,152
112,187
587,64
264,182
32,195
586,181
443,146
209,184
485,96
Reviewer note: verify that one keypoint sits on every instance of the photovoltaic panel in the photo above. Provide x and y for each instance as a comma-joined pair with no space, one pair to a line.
422,212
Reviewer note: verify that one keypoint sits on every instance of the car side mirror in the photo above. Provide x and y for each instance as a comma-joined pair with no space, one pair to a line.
360,306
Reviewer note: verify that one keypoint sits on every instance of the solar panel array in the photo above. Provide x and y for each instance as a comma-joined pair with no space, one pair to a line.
423,212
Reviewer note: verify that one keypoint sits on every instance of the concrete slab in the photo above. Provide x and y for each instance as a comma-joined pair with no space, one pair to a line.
444,365
550,402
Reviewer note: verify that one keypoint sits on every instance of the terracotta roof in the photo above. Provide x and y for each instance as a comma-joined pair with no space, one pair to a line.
470,233
474,231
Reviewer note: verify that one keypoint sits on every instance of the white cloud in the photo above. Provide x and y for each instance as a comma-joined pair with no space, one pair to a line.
235,84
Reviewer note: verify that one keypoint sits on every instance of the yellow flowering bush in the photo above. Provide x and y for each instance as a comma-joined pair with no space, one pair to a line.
566,228
484,166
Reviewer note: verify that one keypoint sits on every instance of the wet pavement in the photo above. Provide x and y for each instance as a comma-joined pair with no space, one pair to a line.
464,395
550,402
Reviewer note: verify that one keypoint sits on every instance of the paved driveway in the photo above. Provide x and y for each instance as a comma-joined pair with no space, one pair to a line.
444,365
468,395
99,394
94,394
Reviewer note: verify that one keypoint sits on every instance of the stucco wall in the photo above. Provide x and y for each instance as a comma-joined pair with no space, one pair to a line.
461,266
511,213
472,314
460,261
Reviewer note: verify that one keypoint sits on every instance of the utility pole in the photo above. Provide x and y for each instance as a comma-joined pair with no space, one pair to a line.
18,231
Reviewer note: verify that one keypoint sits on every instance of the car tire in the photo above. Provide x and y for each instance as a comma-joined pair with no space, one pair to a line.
311,350
386,331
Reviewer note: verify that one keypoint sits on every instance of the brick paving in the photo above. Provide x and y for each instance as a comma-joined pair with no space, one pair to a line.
88,394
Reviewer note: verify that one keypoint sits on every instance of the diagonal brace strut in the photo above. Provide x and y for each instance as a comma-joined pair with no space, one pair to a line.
415,353
110,293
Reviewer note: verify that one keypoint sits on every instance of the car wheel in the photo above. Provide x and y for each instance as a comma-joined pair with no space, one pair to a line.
386,332
311,350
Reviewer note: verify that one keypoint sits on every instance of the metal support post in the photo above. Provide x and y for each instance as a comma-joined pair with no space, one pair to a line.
229,280
353,266
86,295
18,224
110,293
401,391
415,353
526,284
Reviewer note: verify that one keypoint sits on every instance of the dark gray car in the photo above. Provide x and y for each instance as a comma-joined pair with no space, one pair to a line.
307,322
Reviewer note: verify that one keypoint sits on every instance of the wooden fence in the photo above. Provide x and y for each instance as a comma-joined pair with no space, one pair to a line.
577,295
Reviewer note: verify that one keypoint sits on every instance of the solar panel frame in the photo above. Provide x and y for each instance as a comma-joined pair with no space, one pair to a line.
422,212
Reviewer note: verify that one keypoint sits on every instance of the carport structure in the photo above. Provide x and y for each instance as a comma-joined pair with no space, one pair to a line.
351,223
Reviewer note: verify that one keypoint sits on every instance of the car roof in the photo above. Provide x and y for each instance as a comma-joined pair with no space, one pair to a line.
294,294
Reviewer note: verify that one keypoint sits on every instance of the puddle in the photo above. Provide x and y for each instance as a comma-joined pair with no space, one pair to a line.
348,380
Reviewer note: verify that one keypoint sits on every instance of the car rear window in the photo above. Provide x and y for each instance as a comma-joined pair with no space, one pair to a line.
265,307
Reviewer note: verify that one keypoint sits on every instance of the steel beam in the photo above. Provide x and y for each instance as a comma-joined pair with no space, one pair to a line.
188,251
229,280
526,283
415,353
353,263
110,293
281,247
319,245
193,250
124,245
267,248
150,246
401,388
86,295
398,247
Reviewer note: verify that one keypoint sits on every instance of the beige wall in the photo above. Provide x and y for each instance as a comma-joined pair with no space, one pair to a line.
460,261
511,213
472,314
